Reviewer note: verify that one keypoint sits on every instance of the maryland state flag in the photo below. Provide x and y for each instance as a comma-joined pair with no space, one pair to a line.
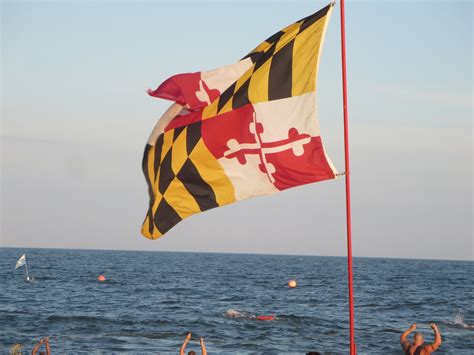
239,131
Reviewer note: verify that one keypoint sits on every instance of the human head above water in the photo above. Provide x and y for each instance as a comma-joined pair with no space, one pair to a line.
418,338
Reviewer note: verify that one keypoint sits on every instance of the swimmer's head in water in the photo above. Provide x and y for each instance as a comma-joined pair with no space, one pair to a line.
418,338
232,313
191,352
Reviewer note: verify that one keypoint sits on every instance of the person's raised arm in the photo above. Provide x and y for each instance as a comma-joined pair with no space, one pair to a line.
203,347
403,338
183,347
437,342
46,343
37,346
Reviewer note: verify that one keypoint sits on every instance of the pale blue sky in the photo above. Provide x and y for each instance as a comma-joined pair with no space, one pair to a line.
75,118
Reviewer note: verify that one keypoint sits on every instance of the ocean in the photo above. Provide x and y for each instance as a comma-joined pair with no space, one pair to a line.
151,300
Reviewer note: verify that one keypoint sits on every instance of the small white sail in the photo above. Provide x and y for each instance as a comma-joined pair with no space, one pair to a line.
21,261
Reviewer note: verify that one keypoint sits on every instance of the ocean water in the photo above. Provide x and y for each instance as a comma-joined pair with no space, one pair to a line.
152,299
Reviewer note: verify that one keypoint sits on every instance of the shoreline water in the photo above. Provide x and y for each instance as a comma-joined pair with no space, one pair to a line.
152,299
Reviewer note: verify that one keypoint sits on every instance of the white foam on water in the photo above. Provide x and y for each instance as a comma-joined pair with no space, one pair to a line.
458,319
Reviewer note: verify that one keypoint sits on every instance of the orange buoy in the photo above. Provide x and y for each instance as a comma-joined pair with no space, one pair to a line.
292,284
101,278
266,317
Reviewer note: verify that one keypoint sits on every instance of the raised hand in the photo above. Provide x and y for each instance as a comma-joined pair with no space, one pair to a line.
188,337
413,327
203,347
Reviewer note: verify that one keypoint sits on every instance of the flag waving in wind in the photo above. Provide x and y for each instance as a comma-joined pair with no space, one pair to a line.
21,261
243,130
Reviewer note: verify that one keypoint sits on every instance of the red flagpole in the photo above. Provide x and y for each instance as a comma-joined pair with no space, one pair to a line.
348,183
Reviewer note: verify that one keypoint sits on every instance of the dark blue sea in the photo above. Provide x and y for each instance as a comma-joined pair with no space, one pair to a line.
152,299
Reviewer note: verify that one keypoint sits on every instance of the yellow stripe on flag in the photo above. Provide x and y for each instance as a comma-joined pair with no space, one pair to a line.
182,201
167,142
213,173
290,33
306,51
179,153
258,87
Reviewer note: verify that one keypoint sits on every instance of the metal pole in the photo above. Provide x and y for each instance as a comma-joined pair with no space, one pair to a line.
26,268
348,183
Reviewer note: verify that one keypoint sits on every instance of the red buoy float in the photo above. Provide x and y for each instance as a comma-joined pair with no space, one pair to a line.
292,283
266,317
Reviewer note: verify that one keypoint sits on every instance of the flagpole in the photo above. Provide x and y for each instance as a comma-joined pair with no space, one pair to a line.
26,268
348,183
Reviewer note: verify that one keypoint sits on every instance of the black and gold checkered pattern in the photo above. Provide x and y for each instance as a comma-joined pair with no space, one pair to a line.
183,178
284,65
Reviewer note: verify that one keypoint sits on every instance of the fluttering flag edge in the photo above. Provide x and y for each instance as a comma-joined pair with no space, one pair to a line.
156,133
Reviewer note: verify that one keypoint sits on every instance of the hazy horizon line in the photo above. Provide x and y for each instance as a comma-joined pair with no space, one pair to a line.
237,253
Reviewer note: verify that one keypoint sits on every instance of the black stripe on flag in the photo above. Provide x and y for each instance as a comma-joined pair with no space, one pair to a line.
177,132
280,76
253,56
275,37
197,187
165,217
166,173
241,96
225,97
270,40
308,21
264,57
193,135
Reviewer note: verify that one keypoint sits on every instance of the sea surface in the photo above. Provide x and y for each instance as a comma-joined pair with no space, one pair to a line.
151,300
